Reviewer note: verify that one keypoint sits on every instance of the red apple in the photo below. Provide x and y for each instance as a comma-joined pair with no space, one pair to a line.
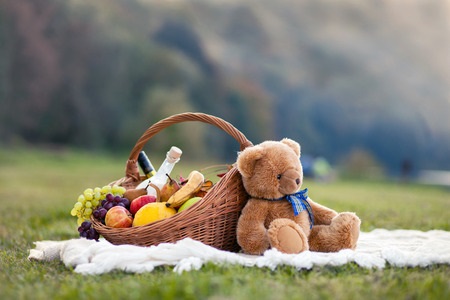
118,217
140,201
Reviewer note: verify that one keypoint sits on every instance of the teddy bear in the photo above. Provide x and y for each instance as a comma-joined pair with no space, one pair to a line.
278,214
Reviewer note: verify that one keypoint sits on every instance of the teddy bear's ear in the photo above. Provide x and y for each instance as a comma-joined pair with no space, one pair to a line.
247,159
293,144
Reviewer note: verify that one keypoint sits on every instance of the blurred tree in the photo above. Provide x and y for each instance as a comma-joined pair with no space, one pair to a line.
334,76
30,66
159,103
361,163
245,28
180,36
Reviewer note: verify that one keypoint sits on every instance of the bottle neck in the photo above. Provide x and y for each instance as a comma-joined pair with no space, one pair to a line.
160,178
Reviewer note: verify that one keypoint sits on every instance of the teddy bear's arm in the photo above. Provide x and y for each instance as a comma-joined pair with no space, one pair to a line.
251,230
322,214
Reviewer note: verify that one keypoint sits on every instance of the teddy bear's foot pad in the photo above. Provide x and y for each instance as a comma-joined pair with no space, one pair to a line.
287,238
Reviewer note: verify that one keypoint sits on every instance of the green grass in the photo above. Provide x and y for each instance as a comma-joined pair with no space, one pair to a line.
38,189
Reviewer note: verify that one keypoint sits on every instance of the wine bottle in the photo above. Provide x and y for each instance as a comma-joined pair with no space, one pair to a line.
146,165
160,178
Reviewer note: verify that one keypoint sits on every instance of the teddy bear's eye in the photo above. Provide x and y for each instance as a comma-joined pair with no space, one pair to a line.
279,176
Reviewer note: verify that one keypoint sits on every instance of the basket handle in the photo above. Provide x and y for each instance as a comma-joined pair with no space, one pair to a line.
132,169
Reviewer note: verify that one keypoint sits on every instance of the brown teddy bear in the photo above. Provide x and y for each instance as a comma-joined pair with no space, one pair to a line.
278,215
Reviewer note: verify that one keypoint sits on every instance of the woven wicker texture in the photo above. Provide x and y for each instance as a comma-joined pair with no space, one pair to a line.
212,220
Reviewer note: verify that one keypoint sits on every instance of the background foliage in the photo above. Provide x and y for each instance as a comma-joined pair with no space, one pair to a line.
340,77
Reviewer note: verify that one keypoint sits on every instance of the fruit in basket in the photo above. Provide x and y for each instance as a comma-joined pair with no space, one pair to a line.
132,194
118,217
194,182
111,201
169,188
90,199
152,212
100,213
206,186
189,203
87,231
118,190
140,201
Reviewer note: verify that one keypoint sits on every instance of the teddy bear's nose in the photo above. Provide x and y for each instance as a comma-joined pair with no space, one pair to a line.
297,181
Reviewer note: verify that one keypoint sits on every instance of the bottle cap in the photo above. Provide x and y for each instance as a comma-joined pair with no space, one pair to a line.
174,154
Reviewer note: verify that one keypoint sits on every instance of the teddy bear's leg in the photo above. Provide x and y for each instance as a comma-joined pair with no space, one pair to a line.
253,241
342,233
287,236
251,232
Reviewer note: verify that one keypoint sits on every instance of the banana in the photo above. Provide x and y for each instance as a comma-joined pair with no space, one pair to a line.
195,181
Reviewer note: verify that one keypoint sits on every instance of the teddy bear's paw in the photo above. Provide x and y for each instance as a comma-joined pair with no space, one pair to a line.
346,218
342,233
287,237
347,224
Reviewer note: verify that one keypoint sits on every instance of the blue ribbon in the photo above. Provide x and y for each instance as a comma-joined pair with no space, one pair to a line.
299,203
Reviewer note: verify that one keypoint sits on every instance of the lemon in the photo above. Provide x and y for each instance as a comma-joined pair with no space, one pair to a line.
152,212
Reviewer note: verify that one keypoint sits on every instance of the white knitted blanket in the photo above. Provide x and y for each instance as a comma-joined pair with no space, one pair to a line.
375,249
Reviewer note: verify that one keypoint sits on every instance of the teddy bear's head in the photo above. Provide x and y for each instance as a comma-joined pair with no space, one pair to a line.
271,169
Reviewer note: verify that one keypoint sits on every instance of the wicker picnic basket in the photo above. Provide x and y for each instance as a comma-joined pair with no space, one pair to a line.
212,220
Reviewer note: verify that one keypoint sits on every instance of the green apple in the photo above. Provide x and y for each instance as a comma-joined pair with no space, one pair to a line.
189,203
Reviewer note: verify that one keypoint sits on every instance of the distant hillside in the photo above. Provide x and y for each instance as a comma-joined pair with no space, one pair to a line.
340,77
343,74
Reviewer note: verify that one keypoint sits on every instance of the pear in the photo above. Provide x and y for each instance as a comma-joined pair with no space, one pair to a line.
132,194
169,189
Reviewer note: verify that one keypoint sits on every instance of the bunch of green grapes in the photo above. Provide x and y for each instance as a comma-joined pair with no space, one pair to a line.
91,198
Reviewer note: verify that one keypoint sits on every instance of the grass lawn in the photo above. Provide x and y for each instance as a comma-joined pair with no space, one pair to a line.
38,189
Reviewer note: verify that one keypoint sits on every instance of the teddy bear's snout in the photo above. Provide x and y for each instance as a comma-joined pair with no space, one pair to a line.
290,182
